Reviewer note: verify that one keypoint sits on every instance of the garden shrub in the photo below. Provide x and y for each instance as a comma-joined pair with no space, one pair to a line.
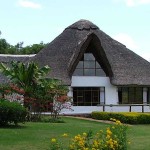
44,118
113,138
144,119
100,116
125,117
11,112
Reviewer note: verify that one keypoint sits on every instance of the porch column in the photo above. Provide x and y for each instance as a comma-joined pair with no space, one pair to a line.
144,95
102,95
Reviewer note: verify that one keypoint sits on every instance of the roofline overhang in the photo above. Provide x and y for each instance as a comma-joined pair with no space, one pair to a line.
81,48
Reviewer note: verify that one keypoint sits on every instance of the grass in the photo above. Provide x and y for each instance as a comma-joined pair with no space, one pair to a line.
139,135
36,136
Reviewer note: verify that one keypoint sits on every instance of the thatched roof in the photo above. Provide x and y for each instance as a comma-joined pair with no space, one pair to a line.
7,58
122,65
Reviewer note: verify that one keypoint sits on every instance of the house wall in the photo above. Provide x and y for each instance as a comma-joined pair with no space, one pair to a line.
111,96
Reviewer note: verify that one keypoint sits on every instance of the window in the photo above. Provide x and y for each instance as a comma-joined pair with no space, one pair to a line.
88,66
148,96
130,95
86,96
124,95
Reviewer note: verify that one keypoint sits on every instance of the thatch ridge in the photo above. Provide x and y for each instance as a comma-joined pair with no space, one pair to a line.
123,66
127,67
83,25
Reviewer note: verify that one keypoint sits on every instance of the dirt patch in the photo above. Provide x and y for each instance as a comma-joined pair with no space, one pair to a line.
90,119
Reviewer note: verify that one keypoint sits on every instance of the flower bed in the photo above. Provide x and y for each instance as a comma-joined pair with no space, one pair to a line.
114,138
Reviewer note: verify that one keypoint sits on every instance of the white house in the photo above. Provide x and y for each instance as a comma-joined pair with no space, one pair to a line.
102,74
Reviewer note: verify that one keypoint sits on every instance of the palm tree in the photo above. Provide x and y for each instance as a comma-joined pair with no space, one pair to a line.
24,76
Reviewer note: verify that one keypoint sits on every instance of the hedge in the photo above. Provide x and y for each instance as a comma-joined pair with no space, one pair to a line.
124,117
11,113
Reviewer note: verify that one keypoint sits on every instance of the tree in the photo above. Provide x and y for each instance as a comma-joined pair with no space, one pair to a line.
3,46
6,48
39,92
32,49
56,93
24,76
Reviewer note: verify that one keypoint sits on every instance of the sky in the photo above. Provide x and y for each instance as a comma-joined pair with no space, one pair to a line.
33,21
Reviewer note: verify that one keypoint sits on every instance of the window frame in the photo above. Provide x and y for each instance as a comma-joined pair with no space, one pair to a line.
148,95
84,70
129,100
92,92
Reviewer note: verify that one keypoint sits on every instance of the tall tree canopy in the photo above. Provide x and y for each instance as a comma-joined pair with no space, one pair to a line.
6,48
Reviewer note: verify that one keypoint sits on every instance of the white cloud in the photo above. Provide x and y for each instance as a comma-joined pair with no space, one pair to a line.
29,4
146,56
126,40
132,3
132,45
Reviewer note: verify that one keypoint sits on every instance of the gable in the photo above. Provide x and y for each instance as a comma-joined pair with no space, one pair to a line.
91,59
120,64
88,66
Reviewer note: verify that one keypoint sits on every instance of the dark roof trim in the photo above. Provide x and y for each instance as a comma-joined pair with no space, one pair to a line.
99,54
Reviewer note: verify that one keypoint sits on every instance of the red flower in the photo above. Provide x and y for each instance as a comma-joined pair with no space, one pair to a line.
7,91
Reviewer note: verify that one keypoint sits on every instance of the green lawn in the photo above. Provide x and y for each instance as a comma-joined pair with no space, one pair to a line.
36,136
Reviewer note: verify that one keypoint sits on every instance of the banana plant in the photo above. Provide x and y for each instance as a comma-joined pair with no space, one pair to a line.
25,76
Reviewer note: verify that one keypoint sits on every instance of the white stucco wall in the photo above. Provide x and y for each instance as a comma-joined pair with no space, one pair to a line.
111,94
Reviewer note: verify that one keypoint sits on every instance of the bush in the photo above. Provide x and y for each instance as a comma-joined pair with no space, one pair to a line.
44,118
11,112
113,138
144,119
125,117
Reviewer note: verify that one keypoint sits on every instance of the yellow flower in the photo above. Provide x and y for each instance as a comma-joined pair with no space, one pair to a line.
95,144
112,119
129,142
109,132
81,143
115,142
118,122
108,136
71,147
111,146
65,135
53,140
84,134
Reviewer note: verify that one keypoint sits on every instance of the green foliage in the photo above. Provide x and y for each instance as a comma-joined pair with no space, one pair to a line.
39,92
36,136
26,79
3,46
6,48
126,117
32,49
114,138
25,76
4,89
52,97
11,112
